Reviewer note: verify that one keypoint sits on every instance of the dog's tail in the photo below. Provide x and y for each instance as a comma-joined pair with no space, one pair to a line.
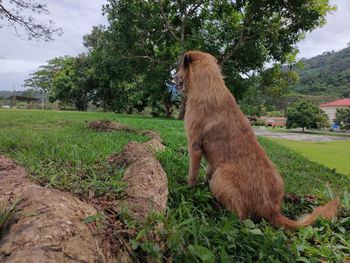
327,211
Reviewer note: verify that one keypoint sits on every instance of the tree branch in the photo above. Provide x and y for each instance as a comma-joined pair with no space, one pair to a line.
146,57
34,29
167,24
190,12
226,57
241,41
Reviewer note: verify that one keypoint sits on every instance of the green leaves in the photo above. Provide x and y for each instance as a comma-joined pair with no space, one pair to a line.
342,117
204,254
7,215
305,114
326,75
93,218
67,79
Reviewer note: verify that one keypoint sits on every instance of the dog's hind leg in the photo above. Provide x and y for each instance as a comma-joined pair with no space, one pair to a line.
228,192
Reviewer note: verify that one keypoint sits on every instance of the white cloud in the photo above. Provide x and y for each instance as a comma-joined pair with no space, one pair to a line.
18,58
333,36
17,65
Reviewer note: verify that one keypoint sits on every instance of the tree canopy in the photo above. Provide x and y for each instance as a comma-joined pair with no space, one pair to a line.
342,117
305,114
134,56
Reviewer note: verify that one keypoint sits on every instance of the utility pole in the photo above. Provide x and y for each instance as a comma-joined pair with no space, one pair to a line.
42,100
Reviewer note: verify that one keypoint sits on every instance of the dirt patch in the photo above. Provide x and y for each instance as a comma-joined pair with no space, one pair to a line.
147,184
49,225
152,134
293,198
108,126
155,144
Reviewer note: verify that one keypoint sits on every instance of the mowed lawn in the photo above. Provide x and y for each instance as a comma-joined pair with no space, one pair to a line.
58,150
334,154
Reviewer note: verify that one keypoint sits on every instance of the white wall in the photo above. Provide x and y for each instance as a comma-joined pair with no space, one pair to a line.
331,110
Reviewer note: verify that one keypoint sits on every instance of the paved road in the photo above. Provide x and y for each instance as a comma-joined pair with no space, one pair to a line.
298,136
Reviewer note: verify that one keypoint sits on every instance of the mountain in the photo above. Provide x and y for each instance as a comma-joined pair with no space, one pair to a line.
326,74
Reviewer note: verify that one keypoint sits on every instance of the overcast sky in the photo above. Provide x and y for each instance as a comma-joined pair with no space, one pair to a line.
18,57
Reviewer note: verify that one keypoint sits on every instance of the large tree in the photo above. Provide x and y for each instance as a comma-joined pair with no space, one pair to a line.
67,79
20,15
148,37
117,89
305,114
42,79
74,83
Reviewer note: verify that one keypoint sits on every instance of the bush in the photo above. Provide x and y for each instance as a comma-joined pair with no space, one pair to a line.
342,118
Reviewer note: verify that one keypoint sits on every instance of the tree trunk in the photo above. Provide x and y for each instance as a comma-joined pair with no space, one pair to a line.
168,110
81,107
302,129
104,106
129,110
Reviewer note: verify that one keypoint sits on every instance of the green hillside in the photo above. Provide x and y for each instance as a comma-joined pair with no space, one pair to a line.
326,74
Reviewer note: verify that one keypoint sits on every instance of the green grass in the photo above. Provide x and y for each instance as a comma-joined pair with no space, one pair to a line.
7,216
334,154
60,151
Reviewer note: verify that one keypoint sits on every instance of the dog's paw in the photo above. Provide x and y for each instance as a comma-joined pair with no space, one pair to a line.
192,182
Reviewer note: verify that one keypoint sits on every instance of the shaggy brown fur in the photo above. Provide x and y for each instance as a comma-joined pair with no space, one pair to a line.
241,175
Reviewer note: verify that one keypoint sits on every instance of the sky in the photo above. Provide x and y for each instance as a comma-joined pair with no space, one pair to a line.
20,57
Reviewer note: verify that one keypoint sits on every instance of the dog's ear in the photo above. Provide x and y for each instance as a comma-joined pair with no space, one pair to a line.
187,60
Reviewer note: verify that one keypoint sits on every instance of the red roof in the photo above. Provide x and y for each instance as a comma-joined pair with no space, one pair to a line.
342,102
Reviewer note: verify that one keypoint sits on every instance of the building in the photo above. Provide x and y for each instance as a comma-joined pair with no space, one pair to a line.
270,121
276,121
16,98
330,108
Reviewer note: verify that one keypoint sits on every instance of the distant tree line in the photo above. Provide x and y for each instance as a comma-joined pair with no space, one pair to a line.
326,74
129,63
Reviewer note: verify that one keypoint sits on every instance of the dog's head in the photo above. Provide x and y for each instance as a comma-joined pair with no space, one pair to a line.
193,63
181,78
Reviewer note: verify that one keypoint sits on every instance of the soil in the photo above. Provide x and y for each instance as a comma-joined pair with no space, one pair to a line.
108,126
147,184
49,223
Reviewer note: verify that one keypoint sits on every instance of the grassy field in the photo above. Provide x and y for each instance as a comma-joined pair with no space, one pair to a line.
58,150
334,154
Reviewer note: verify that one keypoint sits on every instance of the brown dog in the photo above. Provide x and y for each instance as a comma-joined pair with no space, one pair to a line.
241,175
